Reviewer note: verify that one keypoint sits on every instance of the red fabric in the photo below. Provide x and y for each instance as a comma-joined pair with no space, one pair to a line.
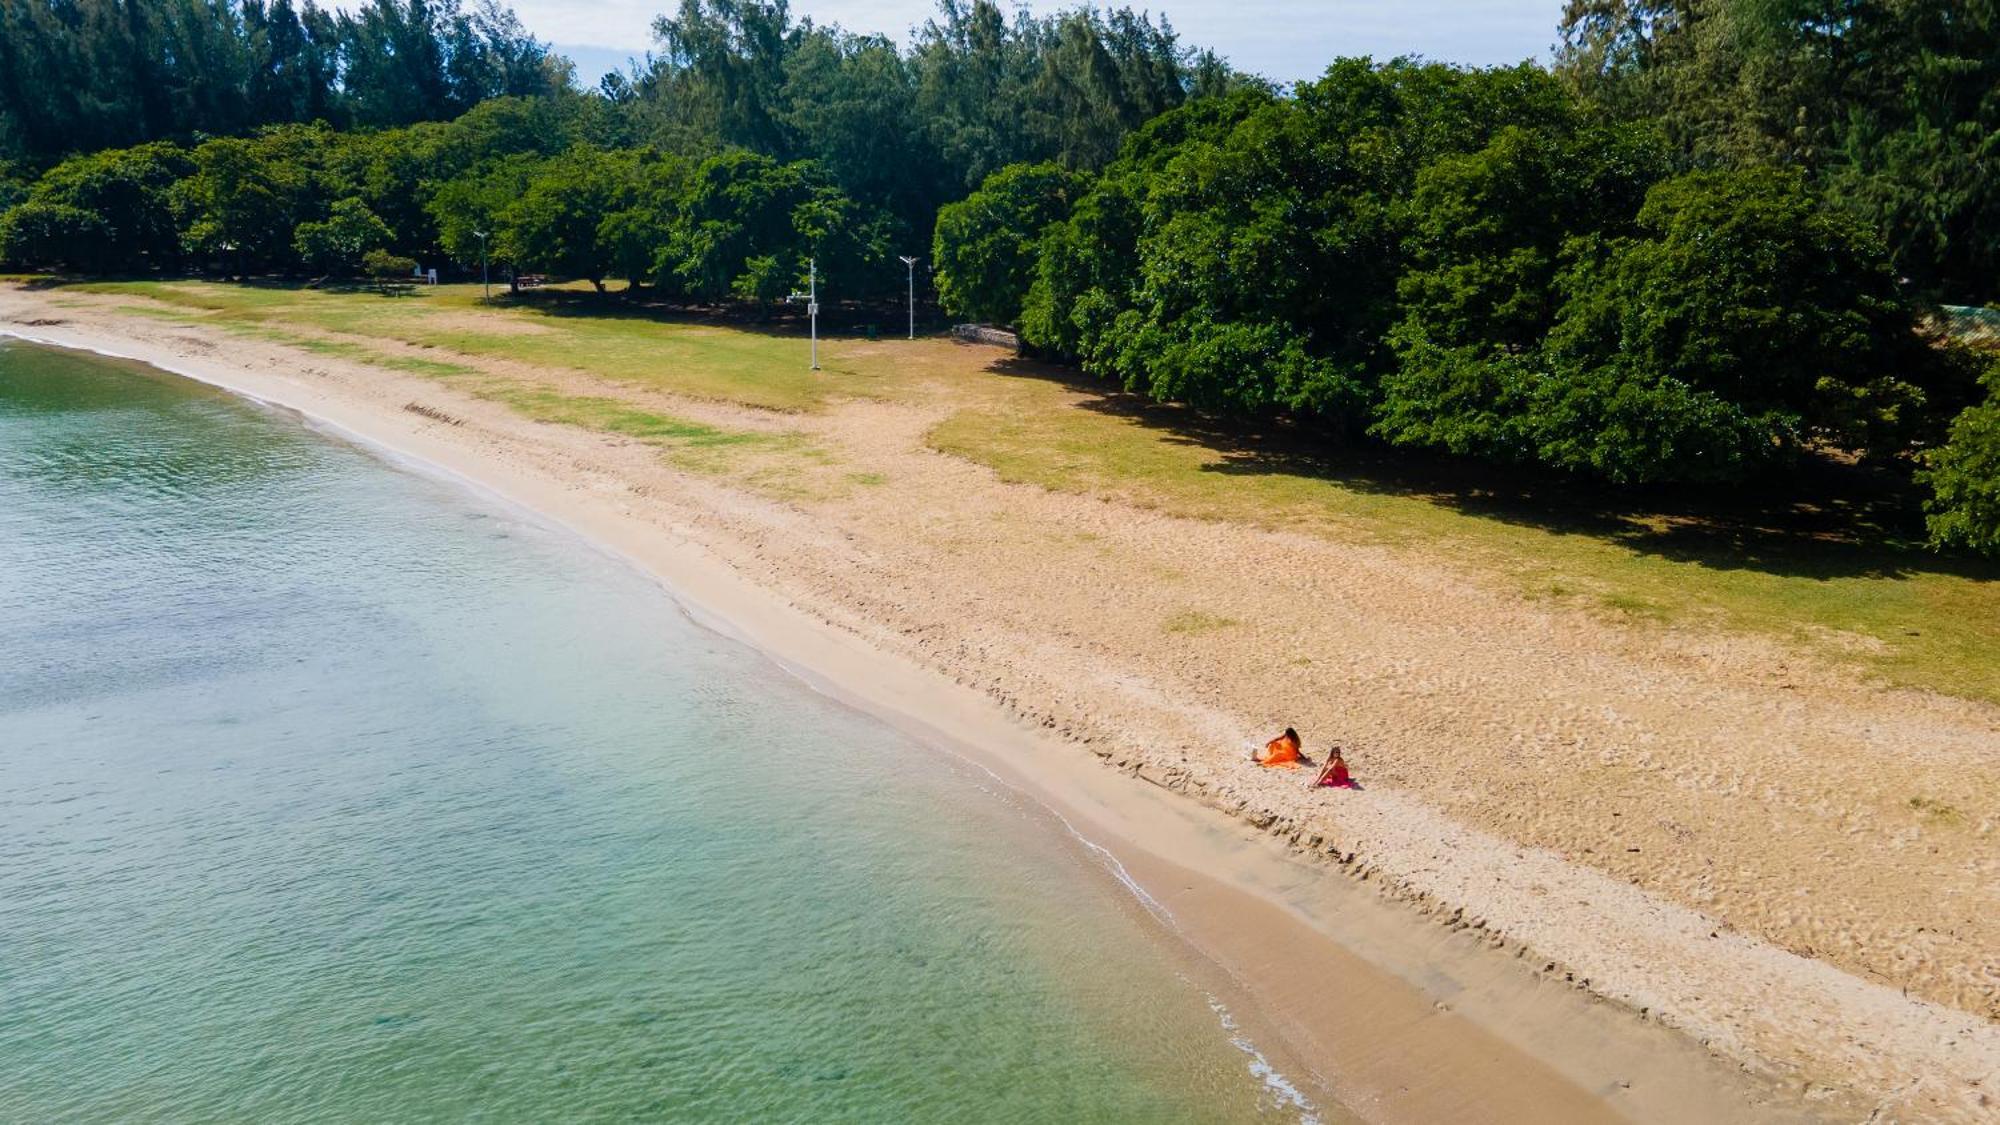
1336,777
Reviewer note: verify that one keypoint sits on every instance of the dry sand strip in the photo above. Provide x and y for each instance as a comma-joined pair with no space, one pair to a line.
938,573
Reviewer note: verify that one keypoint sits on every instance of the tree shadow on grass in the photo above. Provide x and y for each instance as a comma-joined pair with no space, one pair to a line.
1827,519
837,319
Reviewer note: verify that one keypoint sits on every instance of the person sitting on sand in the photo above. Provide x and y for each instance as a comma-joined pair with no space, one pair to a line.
1281,753
1335,775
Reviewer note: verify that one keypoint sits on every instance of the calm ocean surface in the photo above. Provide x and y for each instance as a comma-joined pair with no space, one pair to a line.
330,792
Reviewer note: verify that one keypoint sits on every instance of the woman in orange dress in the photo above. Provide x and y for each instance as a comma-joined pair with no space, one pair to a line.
1281,753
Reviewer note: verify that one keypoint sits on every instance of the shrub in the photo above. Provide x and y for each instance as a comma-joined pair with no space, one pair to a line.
385,267
1964,478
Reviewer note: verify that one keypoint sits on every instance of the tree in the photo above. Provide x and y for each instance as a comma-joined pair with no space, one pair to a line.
1484,243
1748,286
851,103
748,225
732,54
1889,106
428,60
1272,249
247,196
1087,269
479,202
1744,320
1964,478
385,267
339,243
56,234
636,237
129,195
556,223
983,254
13,186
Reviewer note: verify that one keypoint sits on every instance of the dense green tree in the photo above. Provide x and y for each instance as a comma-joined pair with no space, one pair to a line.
427,60
904,134
1745,320
82,75
338,243
129,195
248,195
1087,269
729,57
1964,478
637,235
557,223
479,202
850,102
748,226
1271,253
13,186
1745,285
54,234
294,63
1484,243
394,172
983,255
1892,106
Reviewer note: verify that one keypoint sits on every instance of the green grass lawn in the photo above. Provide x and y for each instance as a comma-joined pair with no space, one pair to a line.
693,361
572,330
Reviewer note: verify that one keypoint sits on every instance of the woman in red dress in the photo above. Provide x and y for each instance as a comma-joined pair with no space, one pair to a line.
1335,775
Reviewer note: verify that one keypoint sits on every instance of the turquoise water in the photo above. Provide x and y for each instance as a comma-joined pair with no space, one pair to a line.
329,791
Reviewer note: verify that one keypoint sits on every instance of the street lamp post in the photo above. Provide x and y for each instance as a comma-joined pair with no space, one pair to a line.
912,264
485,279
811,297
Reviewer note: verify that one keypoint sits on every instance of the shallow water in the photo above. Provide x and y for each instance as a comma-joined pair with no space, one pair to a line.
330,791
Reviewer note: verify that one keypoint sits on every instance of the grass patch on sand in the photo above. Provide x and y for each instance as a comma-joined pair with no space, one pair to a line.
1936,813
343,349
448,322
1911,617
1194,623
781,466
617,417
575,331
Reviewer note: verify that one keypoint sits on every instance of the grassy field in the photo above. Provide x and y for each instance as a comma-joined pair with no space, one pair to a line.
561,329
1832,572
456,335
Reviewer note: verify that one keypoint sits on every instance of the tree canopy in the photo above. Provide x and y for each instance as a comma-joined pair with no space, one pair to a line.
1705,245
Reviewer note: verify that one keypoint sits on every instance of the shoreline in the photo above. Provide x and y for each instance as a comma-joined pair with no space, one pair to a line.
1374,947
1219,926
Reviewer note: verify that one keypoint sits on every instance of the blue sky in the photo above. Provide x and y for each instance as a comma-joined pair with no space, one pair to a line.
1282,39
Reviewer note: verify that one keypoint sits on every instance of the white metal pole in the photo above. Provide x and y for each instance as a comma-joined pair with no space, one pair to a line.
812,287
911,263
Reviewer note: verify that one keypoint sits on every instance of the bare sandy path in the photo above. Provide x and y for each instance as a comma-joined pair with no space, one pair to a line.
1709,829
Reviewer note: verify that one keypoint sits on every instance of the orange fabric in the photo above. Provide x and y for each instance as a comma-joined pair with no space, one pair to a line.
1281,753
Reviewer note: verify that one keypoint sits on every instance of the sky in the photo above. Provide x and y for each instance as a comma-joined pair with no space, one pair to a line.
1286,40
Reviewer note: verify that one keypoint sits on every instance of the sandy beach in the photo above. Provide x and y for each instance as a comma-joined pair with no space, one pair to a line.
1596,870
